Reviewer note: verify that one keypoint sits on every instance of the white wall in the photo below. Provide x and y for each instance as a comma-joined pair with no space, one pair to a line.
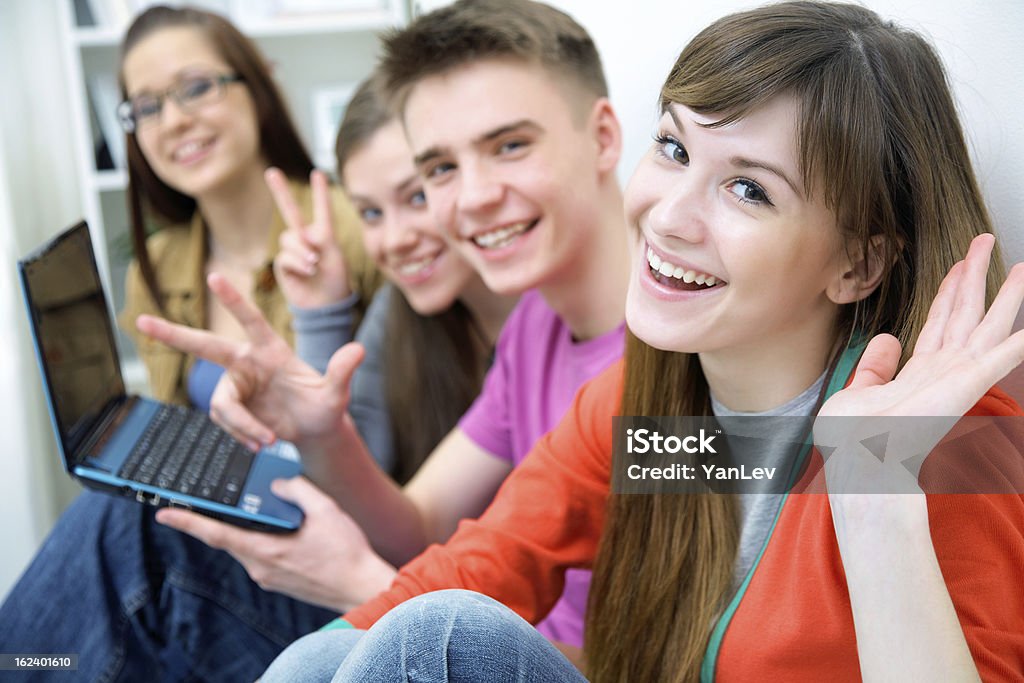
38,197
639,39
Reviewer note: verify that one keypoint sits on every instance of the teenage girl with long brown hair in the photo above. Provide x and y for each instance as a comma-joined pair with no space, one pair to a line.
809,189
204,119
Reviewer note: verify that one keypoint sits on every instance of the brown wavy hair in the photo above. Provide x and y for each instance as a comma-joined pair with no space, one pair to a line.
148,195
880,140
436,363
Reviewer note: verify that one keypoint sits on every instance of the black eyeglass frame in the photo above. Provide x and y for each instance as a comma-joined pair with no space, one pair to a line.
125,113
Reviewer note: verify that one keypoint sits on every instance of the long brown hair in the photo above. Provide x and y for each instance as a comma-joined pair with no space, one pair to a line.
436,363
280,143
879,138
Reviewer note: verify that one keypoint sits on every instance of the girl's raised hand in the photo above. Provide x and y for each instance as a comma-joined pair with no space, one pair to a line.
310,266
962,351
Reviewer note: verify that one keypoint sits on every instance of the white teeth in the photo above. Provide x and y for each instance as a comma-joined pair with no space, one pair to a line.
414,267
501,237
667,269
189,148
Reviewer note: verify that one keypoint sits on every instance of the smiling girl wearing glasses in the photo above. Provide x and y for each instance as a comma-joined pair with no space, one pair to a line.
204,120
808,189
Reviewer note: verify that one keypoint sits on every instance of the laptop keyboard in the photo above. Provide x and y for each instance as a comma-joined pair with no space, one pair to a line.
183,450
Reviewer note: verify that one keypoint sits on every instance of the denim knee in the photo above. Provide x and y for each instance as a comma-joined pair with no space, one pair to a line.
441,608
454,635
313,658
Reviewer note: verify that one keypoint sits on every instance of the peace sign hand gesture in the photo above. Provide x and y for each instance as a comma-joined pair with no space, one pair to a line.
266,391
310,266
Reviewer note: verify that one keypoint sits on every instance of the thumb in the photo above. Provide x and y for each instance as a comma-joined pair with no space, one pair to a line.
878,364
343,365
300,492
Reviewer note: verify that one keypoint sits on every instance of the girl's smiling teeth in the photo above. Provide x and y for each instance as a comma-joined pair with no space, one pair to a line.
678,277
189,149
414,268
504,236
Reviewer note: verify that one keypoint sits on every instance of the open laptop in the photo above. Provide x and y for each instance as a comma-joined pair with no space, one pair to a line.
153,452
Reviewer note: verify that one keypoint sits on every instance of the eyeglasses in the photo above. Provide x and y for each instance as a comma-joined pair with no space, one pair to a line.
191,93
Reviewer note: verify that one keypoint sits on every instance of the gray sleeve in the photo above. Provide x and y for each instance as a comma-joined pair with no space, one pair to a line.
368,400
319,332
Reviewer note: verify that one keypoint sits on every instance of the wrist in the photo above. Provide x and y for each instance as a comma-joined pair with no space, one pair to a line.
874,521
370,576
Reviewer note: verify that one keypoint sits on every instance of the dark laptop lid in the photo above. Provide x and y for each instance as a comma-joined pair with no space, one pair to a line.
73,334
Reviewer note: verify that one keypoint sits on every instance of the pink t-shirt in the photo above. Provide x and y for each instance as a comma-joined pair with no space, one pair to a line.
536,372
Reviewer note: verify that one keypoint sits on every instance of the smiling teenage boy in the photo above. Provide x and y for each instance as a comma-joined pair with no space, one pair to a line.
505,107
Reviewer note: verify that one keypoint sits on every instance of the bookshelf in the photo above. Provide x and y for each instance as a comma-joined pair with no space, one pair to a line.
319,49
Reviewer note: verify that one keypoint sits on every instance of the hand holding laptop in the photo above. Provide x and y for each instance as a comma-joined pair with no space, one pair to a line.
266,392
327,562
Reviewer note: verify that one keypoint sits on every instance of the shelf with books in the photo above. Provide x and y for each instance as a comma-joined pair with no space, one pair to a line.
111,180
96,36
102,22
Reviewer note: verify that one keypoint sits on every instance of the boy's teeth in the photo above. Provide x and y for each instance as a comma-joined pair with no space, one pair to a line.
667,269
501,237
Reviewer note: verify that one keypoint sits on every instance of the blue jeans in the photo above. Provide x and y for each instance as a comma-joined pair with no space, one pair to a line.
139,601
450,635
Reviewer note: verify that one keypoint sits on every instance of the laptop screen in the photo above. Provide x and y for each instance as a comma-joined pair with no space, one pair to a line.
73,332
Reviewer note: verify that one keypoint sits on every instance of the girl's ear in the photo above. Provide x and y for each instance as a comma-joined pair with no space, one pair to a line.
860,274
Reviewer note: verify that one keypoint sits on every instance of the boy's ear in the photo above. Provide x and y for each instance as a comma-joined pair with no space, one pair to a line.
859,274
607,135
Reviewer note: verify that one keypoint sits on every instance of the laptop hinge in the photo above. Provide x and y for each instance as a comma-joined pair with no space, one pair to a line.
106,425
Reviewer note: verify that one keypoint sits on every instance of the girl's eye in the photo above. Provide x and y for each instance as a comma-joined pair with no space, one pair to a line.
748,191
672,149
417,198
439,169
370,215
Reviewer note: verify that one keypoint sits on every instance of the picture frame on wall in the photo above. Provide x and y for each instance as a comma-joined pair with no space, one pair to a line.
328,106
